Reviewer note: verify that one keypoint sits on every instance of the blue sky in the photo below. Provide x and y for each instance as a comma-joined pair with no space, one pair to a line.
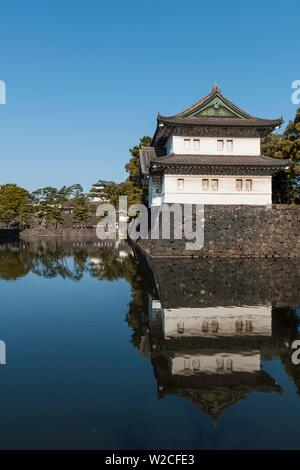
85,79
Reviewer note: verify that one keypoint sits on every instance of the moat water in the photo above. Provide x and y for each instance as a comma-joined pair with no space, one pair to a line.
101,351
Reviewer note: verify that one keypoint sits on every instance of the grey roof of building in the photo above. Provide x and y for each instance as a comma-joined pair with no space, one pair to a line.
149,159
242,118
103,183
220,121
147,154
238,120
206,99
220,160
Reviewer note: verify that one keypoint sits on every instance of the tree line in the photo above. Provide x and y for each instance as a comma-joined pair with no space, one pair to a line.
52,207
286,183
45,207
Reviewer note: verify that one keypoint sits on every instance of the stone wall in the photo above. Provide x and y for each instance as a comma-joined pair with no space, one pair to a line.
68,233
239,231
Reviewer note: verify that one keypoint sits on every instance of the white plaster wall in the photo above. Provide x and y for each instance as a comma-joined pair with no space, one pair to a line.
169,145
192,193
191,320
155,198
208,145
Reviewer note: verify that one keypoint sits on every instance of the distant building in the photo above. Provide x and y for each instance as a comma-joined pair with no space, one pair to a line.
210,153
98,193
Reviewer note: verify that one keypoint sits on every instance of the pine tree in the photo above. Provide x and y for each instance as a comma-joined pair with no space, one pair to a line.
286,183
13,200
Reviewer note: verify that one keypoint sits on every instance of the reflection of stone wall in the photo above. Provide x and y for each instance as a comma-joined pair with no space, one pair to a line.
9,235
226,281
252,231
69,245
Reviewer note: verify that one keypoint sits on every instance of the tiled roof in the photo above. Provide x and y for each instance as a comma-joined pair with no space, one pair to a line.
220,160
102,183
146,155
187,116
220,121
209,114
206,99
208,163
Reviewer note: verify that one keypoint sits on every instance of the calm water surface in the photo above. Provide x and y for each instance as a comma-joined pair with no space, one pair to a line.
105,352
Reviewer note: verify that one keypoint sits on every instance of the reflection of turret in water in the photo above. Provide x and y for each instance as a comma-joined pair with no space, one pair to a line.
212,322
212,355
213,390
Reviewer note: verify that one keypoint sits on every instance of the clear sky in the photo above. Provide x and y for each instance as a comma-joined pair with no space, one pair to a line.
85,79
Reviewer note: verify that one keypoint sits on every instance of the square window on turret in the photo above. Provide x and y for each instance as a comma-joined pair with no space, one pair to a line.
248,185
205,183
196,144
220,145
180,184
187,144
229,145
214,185
239,185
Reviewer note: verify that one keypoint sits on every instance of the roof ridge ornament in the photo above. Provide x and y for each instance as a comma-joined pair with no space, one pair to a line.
216,87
